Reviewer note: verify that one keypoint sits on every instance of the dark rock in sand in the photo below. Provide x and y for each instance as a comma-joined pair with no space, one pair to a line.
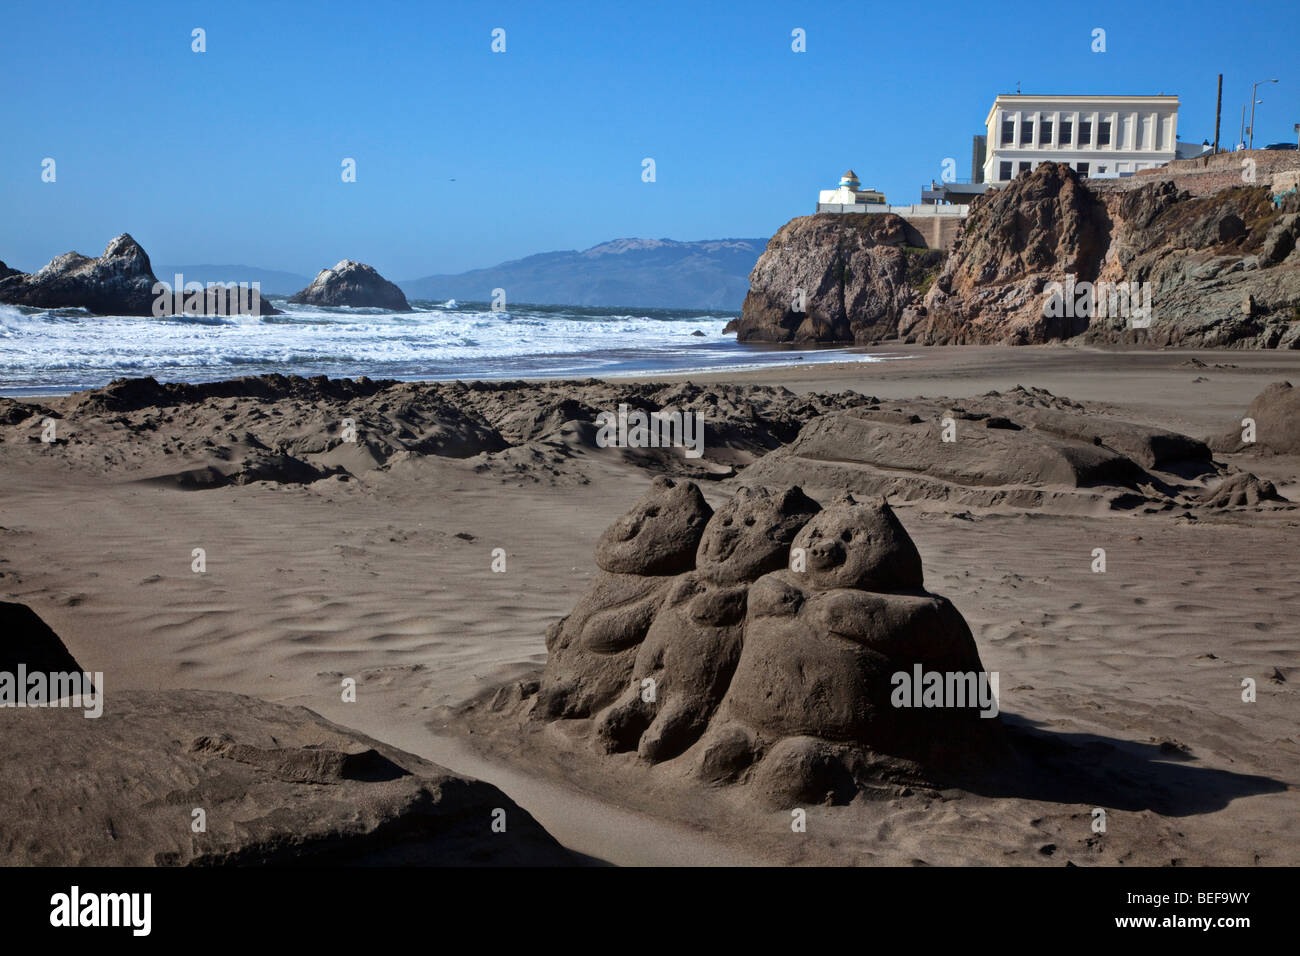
29,641
120,282
354,284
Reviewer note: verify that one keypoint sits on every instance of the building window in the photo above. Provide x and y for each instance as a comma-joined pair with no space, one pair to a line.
1004,171
1008,132
1026,132
1103,133
1083,169
1085,132
1101,169
1024,168
1045,132
1067,129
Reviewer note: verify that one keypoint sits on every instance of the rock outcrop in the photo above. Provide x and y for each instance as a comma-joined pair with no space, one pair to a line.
1041,225
275,784
120,282
768,650
352,284
1048,257
836,278
1217,270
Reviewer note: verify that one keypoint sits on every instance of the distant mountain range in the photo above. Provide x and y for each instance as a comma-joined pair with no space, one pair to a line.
646,273
272,281
643,273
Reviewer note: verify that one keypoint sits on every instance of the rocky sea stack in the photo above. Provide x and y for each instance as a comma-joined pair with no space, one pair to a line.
834,278
762,644
120,282
353,284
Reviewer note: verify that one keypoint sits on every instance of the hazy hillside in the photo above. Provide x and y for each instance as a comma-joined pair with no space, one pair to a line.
650,273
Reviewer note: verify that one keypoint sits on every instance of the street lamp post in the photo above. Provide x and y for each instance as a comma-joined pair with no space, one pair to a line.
1253,101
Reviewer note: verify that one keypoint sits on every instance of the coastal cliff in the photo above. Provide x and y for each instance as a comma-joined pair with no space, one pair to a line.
1210,260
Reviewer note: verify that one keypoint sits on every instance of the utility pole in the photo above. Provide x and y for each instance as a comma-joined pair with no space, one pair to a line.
1242,140
1253,101
1218,109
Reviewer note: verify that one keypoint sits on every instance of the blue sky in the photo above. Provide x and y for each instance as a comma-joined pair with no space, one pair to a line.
467,157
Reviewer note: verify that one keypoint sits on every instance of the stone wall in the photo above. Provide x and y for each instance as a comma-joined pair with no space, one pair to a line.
939,232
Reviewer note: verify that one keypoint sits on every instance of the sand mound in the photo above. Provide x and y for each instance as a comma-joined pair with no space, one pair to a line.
1242,490
294,430
774,654
275,784
1021,449
1276,413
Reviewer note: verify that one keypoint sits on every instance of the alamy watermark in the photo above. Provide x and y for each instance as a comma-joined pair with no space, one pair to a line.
1121,300
56,689
217,298
127,910
662,429
956,689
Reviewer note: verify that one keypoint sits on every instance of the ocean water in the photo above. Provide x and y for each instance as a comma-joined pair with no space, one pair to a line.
66,349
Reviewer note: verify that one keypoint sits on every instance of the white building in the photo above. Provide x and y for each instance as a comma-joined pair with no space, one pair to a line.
852,198
850,193
1098,136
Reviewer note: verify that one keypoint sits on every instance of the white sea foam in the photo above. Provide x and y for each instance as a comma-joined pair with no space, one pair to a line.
70,348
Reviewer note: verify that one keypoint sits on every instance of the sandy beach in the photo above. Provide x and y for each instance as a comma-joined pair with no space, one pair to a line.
386,576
